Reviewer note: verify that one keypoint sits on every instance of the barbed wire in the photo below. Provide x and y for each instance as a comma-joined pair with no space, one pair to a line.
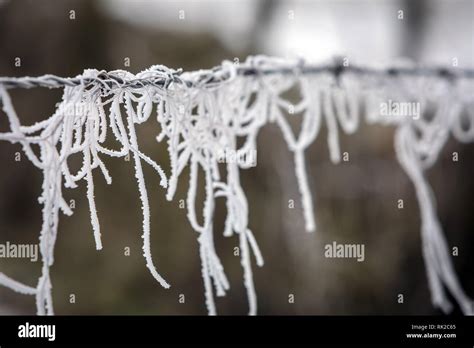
200,127
162,77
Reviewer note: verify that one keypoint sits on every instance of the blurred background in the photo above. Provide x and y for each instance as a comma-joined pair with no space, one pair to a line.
355,201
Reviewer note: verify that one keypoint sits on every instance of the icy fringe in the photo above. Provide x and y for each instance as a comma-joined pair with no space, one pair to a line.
200,120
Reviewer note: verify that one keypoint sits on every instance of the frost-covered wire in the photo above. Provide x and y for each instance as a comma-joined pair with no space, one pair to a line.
202,115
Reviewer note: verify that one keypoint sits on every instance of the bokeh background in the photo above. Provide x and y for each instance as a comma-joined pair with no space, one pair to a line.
355,202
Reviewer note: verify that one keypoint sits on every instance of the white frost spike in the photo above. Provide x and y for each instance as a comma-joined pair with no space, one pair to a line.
16,286
305,192
438,262
211,266
248,277
90,198
210,304
144,200
331,123
255,248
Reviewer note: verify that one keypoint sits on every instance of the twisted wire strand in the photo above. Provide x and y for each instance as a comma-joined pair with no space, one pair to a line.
219,74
